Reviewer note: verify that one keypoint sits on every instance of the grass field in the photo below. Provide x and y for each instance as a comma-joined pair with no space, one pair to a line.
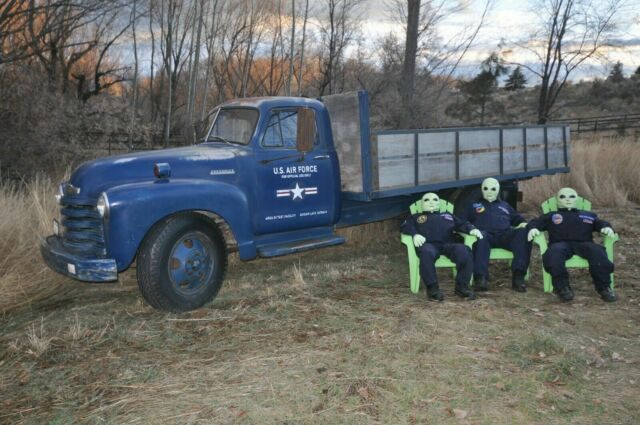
332,336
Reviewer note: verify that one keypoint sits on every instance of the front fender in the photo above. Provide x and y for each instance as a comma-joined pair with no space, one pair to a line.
135,208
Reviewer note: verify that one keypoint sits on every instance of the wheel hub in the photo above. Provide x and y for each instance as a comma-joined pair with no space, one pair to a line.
191,262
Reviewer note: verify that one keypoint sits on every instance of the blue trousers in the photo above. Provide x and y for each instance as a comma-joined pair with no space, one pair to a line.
514,240
458,253
600,267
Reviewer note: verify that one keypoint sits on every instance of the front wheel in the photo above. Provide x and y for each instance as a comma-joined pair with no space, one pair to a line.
181,263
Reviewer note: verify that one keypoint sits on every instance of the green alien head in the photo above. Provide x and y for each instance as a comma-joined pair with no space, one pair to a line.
490,189
567,198
430,202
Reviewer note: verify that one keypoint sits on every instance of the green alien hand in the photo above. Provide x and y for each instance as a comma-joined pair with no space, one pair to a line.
607,231
532,234
418,240
477,233
521,225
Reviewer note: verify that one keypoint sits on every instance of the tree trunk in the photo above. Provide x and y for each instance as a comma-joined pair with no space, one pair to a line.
194,79
293,39
134,100
304,34
409,64
151,76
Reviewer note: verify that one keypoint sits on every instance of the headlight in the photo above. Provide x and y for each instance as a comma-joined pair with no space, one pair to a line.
103,205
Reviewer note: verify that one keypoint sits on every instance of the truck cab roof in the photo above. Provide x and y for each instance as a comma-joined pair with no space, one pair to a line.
266,103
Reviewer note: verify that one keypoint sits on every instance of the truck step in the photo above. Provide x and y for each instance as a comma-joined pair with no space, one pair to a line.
276,250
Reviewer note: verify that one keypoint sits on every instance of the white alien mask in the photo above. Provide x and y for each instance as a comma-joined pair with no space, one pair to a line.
430,202
567,198
490,189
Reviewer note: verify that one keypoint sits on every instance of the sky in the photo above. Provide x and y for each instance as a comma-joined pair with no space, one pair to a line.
512,20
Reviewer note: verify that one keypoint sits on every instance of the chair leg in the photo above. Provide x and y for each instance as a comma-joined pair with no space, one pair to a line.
546,279
414,272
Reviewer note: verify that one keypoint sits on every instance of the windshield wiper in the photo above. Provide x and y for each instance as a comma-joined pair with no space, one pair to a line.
227,141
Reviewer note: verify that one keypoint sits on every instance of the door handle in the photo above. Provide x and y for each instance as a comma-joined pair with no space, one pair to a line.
321,157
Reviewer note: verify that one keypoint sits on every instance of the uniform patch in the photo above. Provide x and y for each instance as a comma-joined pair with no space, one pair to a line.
447,217
586,218
478,207
422,219
556,218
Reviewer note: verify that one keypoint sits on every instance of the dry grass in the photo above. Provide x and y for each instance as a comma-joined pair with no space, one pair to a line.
26,214
606,171
330,336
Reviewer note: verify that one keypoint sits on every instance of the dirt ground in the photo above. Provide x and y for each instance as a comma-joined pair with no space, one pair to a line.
332,336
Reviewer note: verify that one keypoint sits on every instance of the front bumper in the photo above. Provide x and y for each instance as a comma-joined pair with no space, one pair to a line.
59,259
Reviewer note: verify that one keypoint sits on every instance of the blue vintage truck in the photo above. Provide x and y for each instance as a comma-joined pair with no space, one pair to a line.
273,176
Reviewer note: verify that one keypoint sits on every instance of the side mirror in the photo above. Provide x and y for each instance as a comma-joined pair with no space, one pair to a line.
306,132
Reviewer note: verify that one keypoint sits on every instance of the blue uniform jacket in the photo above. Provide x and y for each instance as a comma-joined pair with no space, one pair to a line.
493,217
436,227
569,225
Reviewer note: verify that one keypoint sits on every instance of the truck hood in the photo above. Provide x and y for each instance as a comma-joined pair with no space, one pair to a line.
190,162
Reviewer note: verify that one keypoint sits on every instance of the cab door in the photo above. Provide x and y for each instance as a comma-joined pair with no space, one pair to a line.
297,186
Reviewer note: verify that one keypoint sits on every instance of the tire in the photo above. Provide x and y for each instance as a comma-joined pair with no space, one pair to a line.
181,263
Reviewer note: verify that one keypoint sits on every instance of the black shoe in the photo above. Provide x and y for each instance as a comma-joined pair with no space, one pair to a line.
480,283
464,292
517,282
607,295
434,293
565,294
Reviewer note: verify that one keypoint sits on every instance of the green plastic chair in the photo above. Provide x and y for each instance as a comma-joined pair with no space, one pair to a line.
575,262
414,260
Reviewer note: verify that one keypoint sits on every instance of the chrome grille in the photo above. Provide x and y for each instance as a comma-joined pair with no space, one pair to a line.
83,230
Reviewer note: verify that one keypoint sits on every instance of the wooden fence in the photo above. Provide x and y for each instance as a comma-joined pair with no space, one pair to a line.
618,123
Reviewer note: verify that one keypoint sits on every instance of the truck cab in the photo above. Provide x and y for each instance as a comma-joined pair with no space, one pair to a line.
267,171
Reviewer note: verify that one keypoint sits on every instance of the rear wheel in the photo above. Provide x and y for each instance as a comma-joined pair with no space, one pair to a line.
181,263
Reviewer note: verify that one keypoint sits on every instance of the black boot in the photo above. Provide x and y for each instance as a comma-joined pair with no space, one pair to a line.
434,292
607,294
563,290
463,290
517,282
480,283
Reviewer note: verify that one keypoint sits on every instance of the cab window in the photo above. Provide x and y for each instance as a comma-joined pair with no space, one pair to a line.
281,131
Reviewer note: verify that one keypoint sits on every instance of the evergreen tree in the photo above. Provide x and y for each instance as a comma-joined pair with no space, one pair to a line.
516,80
637,73
479,91
616,75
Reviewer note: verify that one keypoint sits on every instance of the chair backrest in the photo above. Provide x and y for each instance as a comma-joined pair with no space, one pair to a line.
416,207
551,204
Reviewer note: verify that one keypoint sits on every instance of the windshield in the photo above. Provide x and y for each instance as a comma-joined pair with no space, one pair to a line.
233,125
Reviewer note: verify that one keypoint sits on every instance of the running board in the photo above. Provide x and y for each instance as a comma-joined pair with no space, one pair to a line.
298,246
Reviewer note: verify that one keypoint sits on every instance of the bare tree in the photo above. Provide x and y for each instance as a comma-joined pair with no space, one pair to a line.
304,35
337,29
193,75
212,30
174,28
134,97
571,32
428,52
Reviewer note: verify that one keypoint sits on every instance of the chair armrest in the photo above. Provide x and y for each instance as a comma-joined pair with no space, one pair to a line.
541,241
407,240
469,240
608,244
